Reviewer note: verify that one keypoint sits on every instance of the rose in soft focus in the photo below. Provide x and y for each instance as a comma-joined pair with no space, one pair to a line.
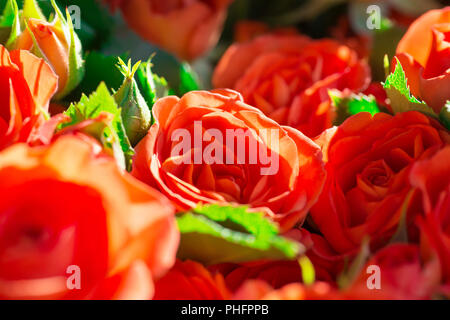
261,290
432,178
402,273
275,273
211,147
189,280
63,209
424,53
368,160
288,77
27,84
186,28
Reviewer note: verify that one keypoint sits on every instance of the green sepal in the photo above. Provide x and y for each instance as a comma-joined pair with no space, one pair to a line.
215,234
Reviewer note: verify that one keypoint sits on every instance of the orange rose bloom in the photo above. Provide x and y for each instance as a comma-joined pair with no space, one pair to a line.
64,209
368,160
424,53
189,280
186,28
27,84
225,145
288,77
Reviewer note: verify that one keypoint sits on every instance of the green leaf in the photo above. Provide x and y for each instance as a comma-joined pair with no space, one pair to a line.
188,79
217,234
348,104
91,107
398,91
146,83
13,12
9,13
444,115
151,86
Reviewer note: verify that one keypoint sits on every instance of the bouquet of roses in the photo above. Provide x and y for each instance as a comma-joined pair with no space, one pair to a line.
219,149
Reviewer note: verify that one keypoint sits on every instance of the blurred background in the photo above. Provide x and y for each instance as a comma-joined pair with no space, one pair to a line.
104,30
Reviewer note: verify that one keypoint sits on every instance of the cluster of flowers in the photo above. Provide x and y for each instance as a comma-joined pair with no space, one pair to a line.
372,189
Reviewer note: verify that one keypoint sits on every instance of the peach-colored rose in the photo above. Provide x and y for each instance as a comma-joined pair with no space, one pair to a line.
285,187
61,207
186,28
288,77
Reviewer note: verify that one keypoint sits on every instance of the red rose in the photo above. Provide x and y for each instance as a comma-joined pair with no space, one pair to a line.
432,178
189,280
288,77
63,210
27,84
368,160
210,147
424,53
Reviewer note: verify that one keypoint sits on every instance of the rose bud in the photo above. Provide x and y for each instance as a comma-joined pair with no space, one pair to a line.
54,41
135,111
